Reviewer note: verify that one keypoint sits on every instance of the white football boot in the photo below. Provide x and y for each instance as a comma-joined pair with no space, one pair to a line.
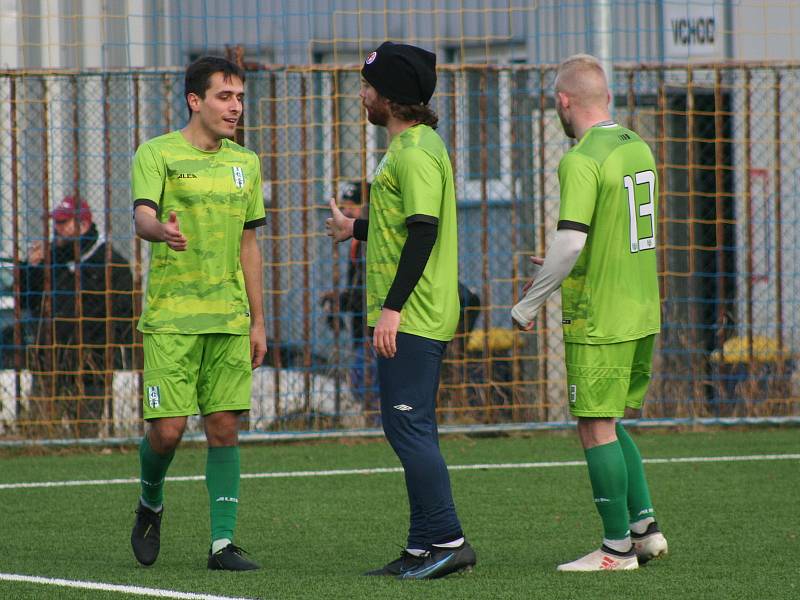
650,544
603,559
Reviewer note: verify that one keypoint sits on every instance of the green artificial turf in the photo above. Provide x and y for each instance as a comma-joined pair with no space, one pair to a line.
732,527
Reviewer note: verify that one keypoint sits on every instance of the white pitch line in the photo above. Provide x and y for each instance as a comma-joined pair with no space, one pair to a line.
109,587
378,470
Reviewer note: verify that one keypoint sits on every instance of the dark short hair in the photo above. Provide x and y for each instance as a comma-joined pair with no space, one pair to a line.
420,113
198,75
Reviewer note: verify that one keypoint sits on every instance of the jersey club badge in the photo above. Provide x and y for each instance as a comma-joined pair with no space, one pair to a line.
238,177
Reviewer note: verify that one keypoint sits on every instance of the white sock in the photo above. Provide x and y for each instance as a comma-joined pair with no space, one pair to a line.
151,507
218,545
641,526
618,545
453,544
415,551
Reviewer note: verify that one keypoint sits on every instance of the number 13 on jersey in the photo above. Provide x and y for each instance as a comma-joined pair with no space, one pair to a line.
643,179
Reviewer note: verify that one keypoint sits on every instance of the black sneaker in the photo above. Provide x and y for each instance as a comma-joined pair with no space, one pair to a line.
443,561
406,562
146,534
230,558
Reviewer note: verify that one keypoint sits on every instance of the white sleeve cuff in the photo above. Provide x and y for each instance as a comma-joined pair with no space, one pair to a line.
562,255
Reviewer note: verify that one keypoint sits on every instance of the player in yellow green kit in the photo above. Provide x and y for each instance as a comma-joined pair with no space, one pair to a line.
603,257
198,199
412,296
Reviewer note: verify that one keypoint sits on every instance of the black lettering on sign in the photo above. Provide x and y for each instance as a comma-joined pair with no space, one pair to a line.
693,32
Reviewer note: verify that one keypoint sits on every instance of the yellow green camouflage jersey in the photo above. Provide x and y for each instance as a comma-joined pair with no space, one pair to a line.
414,181
609,189
216,195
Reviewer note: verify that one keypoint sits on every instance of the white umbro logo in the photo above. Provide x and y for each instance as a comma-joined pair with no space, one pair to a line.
403,407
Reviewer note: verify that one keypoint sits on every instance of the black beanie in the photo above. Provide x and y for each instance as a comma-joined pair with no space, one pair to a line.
402,73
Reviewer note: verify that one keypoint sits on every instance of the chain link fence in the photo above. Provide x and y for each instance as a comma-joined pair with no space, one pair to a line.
725,140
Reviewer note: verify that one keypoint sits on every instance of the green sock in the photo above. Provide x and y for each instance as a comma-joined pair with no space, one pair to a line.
610,488
222,481
639,504
153,471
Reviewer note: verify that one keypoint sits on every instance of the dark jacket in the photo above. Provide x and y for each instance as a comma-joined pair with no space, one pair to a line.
77,302
351,299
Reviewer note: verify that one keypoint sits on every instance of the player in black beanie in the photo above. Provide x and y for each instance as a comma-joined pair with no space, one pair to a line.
412,296
402,73
402,79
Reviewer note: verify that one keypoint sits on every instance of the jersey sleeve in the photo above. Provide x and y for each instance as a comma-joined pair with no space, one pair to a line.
255,215
421,185
147,176
579,178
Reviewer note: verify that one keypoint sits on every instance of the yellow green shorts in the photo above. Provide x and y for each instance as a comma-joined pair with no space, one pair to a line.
190,374
603,379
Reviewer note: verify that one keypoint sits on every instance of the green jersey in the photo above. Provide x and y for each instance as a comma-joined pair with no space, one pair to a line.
609,188
215,195
415,179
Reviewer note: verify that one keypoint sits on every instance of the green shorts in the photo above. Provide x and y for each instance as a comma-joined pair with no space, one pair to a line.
603,379
190,374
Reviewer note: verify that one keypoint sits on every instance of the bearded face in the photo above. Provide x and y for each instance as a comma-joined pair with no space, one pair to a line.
376,105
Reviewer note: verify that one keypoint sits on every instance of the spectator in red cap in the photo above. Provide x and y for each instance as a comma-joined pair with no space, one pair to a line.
71,215
70,208
67,292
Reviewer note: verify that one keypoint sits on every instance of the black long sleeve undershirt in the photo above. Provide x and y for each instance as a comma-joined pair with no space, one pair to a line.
361,229
413,258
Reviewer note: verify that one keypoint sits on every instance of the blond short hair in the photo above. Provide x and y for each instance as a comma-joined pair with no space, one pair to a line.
581,76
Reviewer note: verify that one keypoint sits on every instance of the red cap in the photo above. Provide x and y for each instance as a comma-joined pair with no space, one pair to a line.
71,207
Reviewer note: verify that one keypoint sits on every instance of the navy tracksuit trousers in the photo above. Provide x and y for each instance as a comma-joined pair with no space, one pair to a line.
408,383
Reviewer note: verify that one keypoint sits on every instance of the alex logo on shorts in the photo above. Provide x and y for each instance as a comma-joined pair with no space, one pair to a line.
153,396
573,393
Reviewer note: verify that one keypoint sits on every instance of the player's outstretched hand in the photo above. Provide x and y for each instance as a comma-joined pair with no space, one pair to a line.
527,326
337,226
172,233
521,327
